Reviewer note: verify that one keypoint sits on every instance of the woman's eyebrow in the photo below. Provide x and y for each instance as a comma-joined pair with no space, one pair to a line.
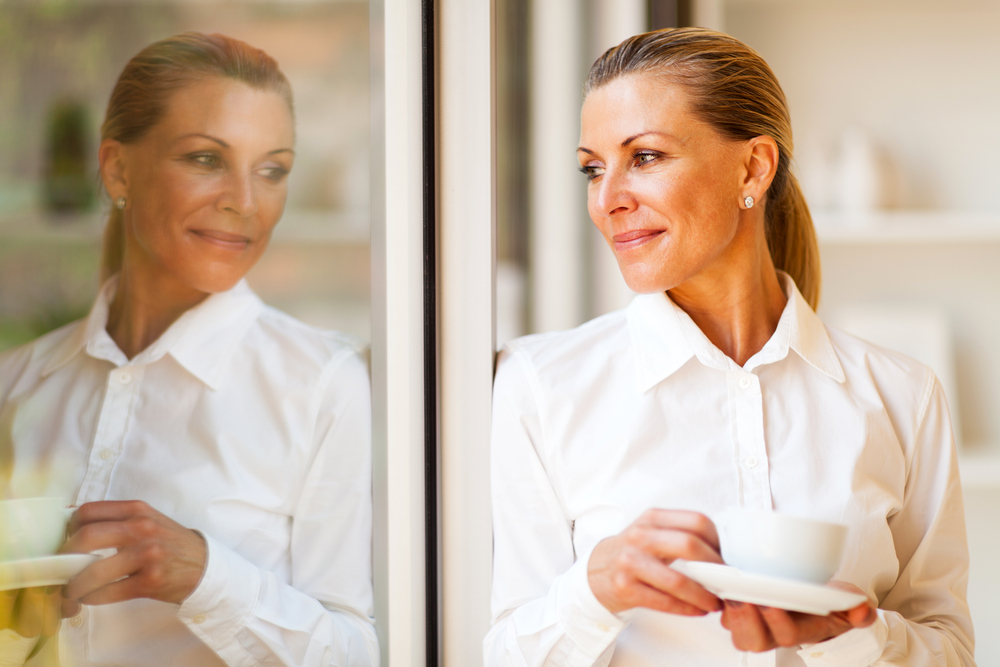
203,136
643,134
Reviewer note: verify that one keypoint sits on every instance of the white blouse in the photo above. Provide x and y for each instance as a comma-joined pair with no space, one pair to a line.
239,422
638,409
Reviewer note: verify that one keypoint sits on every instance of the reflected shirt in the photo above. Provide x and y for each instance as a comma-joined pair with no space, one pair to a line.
638,409
239,422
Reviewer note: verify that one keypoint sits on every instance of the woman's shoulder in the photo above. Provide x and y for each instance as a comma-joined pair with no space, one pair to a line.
894,375
562,354
279,332
28,362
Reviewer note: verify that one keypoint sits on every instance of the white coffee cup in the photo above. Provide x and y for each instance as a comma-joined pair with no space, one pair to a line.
32,527
781,545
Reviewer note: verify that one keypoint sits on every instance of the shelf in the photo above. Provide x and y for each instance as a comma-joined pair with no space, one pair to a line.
296,227
979,467
905,227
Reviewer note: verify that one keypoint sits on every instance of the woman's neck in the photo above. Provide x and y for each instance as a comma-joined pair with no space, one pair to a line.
737,307
145,306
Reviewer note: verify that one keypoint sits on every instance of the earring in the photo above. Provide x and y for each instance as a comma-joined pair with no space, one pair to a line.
120,203
748,200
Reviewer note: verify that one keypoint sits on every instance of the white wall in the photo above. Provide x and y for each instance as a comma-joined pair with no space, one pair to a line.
921,76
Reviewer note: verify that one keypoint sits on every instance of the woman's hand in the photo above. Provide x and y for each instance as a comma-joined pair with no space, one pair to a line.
631,569
31,612
758,629
157,557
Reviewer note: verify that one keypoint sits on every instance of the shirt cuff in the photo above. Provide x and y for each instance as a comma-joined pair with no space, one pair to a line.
590,625
14,649
860,647
224,599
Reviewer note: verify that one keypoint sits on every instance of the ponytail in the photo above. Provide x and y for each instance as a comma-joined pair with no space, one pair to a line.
791,238
112,244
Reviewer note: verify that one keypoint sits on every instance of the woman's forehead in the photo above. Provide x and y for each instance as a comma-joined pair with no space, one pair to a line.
222,107
636,104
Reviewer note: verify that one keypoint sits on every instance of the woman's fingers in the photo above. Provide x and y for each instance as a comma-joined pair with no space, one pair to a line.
101,573
657,575
37,611
747,627
108,511
8,602
52,611
682,520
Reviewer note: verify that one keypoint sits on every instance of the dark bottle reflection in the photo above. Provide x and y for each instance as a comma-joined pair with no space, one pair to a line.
67,186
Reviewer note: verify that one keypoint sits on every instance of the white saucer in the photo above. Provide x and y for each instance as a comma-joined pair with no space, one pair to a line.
46,571
729,583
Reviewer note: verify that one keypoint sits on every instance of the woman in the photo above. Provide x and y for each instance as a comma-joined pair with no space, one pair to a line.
615,443
218,449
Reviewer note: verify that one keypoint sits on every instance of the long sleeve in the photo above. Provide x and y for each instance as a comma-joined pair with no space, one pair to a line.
247,615
924,620
544,612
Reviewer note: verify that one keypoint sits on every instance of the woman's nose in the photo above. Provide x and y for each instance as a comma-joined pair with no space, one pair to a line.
239,196
614,194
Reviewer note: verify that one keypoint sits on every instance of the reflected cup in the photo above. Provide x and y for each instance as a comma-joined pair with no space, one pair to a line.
780,545
32,527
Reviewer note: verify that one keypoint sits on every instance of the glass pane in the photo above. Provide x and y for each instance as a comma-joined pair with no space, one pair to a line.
59,62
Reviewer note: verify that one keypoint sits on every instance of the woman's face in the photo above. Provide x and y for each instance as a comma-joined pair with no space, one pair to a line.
664,187
205,186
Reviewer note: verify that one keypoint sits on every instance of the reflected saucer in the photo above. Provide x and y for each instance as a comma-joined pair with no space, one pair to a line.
45,571
729,583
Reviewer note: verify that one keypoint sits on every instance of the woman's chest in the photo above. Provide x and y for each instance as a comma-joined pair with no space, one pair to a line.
229,461
819,454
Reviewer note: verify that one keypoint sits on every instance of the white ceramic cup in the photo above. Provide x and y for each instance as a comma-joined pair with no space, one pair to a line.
32,527
781,545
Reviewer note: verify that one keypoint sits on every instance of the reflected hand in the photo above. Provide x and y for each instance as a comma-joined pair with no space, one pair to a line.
157,557
631,569
31,612
756,628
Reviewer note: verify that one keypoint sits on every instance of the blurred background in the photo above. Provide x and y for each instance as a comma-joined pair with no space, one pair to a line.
893,105
59,60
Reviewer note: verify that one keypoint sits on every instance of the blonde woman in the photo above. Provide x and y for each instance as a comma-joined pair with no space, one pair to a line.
219,451
615,443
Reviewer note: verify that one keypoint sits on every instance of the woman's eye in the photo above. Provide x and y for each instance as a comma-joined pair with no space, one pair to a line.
591,172
205,159
273,173
644,158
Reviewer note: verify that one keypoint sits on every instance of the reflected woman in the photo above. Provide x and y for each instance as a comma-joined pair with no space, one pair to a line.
615,443
218,449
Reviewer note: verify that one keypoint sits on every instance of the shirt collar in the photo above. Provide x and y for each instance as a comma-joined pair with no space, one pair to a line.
202,340
664,338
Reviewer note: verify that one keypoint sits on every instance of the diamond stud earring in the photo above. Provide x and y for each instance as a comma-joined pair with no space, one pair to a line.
748,200
120,203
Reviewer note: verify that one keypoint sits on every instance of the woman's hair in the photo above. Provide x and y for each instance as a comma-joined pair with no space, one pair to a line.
139,99
733,90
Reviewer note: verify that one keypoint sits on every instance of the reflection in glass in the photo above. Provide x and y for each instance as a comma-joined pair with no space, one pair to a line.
231,418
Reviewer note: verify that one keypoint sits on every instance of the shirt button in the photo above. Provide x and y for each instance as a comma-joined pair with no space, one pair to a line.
199,619
124,377
751,461
602,627
817,654
106,454
76,621
745,382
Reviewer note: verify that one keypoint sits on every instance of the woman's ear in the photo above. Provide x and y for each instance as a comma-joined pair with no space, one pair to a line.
761,164
111,158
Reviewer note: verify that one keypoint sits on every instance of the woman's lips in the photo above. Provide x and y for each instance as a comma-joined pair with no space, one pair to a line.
223,240
634,238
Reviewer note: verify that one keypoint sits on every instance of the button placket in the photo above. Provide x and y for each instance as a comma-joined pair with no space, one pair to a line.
120,392
751,454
